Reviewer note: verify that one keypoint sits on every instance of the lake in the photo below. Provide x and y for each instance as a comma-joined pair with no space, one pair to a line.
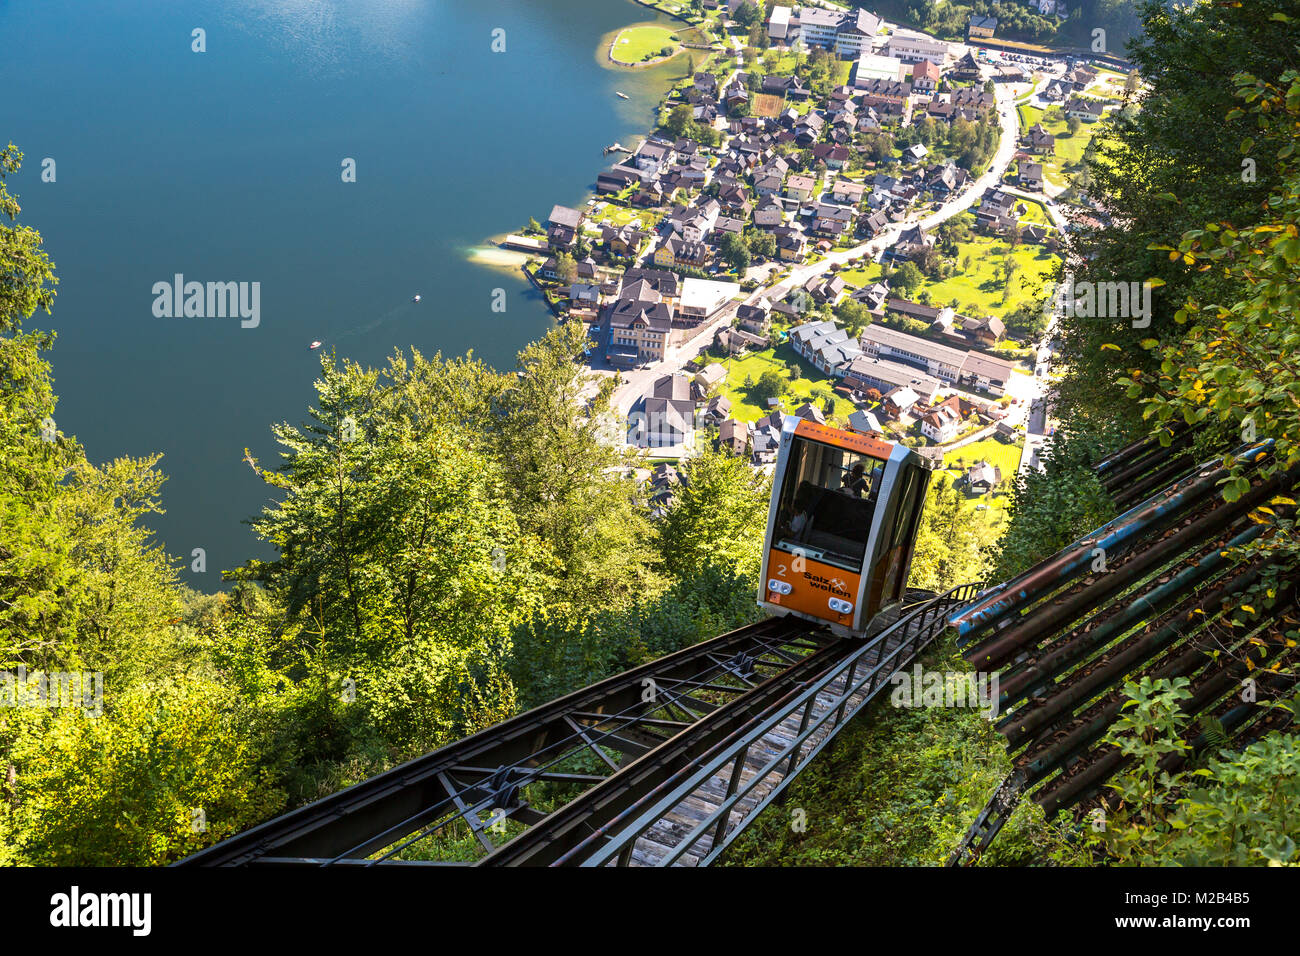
227,166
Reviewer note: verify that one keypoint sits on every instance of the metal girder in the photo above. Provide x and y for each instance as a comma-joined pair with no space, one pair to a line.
707,763
422,797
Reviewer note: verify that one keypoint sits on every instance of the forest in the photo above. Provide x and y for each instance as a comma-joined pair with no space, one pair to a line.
456,543
1073,24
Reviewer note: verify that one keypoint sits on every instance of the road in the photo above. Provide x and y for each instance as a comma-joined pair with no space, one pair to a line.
1006,106
637,382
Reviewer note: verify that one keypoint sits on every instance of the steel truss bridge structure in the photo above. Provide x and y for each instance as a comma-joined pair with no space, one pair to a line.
662,765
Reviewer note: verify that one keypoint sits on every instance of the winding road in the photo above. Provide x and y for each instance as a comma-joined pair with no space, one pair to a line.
636,383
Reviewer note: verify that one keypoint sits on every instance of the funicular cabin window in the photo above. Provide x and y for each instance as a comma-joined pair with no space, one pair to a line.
827,503
910,497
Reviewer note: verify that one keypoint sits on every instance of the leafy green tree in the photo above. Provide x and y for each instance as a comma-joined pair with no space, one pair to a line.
907,278
762,244
949,545
735,251
566,268
854,316
1231,361
718,517
122,789
771,384
681,121
398,552
746,14
562,477
1173,167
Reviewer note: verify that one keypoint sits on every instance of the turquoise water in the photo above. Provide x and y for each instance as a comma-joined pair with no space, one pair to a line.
226,166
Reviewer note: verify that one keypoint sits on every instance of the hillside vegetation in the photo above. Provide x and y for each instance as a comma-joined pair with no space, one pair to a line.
455,543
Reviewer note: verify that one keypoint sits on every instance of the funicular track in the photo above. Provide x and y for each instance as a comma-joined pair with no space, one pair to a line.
761,700
562,747
1167,599
685,803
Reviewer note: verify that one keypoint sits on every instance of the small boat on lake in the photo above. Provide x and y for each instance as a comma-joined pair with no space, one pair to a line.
315,345
620,95
416,299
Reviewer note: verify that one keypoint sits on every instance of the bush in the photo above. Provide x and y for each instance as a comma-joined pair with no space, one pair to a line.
123,789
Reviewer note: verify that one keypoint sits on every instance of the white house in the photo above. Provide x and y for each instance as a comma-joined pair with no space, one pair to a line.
846,33
702,298
778,24
914,47
940,424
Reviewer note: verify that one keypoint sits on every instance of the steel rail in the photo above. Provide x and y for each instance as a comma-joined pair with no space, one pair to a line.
734,751
368,816
570,824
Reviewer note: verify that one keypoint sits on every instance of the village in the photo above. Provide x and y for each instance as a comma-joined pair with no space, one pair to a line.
841,219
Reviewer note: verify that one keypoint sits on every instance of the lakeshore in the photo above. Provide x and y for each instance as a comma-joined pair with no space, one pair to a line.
764,222
336,261
633,46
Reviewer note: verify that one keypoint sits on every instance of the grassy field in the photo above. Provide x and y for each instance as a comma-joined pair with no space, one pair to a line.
1069,149
1034,212
623,215
746,408
862,276
979,292
638,43
997,453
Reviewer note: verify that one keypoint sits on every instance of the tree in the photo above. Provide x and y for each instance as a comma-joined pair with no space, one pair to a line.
1231,360
771,384
878,146
681,121
735,251
718,517
762,244
1027,321
560,472
1073,124
566,268
1173,167
84,590
746,14
855,316
907,278
949,546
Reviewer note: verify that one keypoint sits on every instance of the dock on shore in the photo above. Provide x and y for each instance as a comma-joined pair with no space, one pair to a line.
525,244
